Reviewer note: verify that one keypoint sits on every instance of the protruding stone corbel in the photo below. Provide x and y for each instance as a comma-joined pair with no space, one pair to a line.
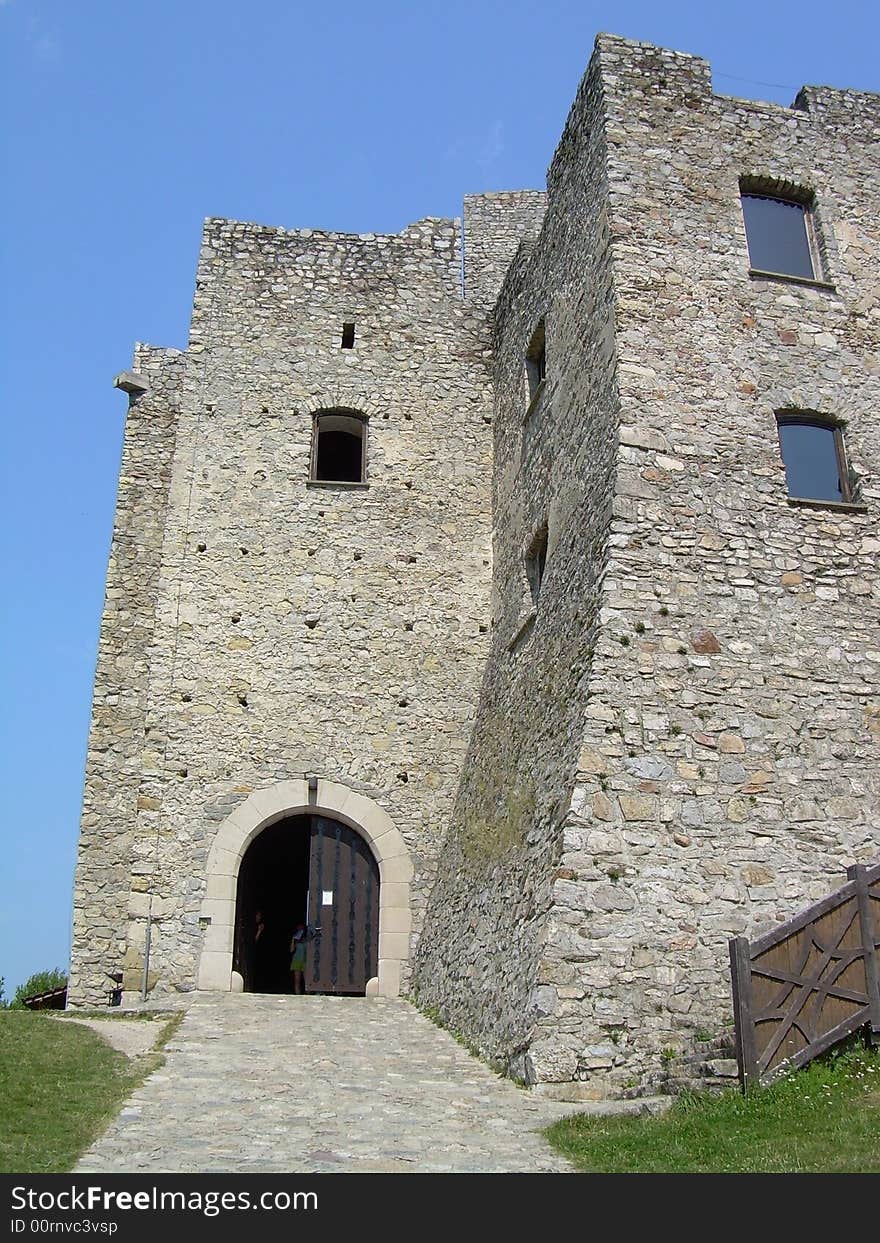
130,382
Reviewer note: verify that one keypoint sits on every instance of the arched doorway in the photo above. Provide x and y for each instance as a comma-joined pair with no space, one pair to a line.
285,800
318,871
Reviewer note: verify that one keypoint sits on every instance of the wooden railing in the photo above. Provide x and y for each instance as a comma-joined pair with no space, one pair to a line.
809,983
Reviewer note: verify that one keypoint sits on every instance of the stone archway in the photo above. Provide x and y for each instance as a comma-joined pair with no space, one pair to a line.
291,798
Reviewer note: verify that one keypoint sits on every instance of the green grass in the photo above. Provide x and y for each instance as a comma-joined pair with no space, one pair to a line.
822,1119
60,1085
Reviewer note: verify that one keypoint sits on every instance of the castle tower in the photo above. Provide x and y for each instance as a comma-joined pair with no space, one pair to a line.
520,633
677,738
298,588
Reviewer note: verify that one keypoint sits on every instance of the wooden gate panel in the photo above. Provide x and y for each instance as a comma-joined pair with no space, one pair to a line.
343,908
810,982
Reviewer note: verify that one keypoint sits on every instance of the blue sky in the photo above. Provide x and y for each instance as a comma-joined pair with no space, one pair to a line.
125,124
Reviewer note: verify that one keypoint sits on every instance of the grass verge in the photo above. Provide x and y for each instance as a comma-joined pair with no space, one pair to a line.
822,1119
60,1085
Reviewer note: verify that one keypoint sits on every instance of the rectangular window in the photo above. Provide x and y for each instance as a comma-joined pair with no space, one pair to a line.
814,458
339,448
348,336
780,236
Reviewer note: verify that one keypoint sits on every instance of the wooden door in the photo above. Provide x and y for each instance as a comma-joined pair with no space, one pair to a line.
343,907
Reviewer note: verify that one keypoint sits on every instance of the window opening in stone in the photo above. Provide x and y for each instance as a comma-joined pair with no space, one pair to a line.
536,361
348,336
814,458
339,451
779,232
536,563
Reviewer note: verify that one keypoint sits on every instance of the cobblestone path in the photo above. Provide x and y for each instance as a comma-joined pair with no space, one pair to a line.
309,1084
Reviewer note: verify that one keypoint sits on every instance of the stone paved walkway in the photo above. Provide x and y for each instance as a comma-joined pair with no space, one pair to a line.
269,1084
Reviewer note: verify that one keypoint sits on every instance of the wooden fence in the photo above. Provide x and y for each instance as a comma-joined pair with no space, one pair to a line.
815,979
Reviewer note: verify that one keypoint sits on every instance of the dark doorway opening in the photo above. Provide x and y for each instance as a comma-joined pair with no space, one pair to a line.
273,881
316,871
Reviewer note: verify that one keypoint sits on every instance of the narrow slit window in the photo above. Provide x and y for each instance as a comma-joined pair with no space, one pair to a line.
779,234
339,448
536,563
814,458
348,336
536,361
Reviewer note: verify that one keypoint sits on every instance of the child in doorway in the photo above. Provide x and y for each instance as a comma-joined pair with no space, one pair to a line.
298,958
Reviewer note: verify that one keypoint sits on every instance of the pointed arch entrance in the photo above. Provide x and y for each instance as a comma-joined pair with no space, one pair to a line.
292,804
315,872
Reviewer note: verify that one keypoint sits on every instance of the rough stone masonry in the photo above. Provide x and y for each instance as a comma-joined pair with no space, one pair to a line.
597,689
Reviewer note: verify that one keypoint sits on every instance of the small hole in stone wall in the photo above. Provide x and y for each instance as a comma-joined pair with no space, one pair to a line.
242,699
259,476
186,697
404,777
320,513
483,629
209,409
236,618
201,547
264,409
411,560
358,556
403,703
348,336
407,416
311,622
487,418
183,772
407,625
244,551
408,483
385,415
312,552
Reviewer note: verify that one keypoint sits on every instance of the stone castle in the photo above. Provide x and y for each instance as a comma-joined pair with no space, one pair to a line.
530,561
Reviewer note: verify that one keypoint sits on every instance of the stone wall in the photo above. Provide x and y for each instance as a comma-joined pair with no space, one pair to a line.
119,705
495,225
478,962
307,628
729,771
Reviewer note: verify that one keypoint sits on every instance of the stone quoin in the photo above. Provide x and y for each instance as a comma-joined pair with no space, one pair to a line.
474,545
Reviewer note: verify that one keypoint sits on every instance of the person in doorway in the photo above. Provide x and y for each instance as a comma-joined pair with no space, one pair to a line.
302,934
298,957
